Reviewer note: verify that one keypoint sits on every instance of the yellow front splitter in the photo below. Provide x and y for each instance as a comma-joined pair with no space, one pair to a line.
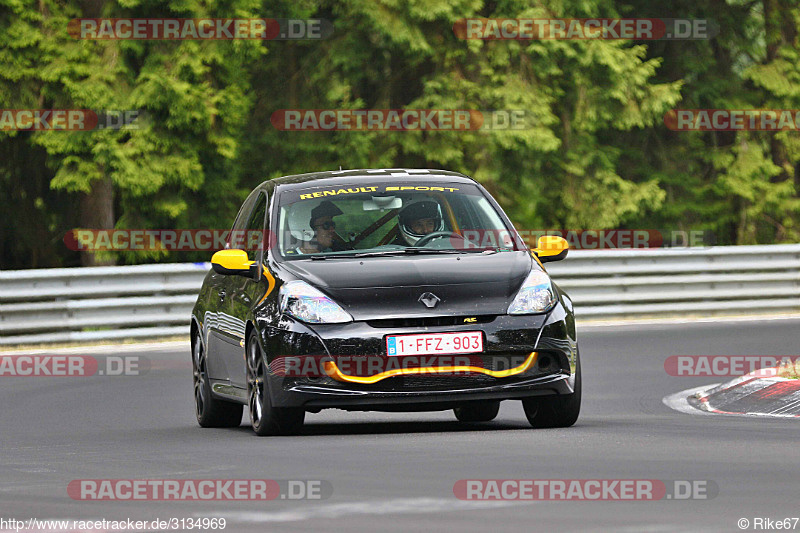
333,371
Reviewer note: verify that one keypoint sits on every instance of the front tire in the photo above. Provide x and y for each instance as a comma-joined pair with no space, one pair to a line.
266,419
210,412
555,411
481,411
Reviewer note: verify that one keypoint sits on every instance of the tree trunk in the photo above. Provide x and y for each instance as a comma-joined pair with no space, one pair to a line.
97,212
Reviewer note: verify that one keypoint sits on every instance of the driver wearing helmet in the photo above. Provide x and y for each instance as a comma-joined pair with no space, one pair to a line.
418,219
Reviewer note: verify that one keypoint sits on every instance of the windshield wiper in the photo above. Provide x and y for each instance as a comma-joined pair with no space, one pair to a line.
414,250
411,250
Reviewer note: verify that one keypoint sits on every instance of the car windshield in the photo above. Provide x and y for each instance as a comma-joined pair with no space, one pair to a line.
373,220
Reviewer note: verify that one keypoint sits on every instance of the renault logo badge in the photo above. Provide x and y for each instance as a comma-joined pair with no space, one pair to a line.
429,299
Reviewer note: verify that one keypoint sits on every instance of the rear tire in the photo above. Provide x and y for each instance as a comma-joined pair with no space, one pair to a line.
266,419
210,412
555,411
481,411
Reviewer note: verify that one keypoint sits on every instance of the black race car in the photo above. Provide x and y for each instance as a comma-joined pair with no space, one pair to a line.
384,290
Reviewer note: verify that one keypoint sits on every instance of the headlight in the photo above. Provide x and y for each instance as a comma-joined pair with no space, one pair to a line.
306,303
535,296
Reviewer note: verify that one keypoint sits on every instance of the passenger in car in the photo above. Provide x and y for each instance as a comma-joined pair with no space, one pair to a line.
325,237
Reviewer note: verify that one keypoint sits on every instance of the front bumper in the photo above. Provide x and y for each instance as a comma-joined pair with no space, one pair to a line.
505,336
314,397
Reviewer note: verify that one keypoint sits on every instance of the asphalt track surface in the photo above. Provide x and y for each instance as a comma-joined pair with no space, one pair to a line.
395,472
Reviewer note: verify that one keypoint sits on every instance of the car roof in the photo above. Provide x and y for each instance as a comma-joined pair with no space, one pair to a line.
335,177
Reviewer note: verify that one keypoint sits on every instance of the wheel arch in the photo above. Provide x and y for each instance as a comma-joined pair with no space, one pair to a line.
195,329
248,329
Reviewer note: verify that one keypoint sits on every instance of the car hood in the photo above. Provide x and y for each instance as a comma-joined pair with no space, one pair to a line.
390,287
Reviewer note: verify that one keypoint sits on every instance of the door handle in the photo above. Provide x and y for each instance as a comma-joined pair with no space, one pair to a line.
222,294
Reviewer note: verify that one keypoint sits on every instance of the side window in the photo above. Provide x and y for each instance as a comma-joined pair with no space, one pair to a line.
256,237
465,213
235,239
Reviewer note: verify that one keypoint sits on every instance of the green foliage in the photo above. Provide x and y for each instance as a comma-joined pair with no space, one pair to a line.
594,152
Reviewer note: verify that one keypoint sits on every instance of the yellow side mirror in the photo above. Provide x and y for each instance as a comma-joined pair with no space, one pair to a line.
233,262
551,248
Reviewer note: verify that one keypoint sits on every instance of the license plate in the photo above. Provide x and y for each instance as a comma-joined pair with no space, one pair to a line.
434,343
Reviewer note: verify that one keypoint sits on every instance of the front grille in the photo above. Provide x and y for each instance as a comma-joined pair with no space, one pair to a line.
453,382
459,380
434,321
435,382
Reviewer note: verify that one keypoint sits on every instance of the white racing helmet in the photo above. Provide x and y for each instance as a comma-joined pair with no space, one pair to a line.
415,211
